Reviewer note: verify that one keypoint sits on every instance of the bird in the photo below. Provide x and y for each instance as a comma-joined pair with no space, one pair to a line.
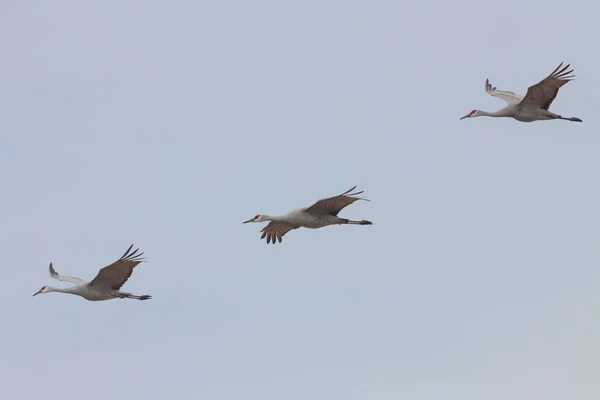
534,106
323,213
106,285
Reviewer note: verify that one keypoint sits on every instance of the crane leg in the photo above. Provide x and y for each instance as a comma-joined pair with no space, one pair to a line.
133,296
363,222
574,119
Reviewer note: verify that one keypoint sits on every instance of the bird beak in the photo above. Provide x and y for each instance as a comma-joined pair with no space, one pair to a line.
250,220
38,292
466,116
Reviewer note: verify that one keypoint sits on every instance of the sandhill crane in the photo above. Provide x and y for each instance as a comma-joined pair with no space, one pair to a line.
323,213
534,106
106,284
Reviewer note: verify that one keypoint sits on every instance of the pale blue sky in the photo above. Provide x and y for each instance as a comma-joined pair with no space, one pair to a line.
167,124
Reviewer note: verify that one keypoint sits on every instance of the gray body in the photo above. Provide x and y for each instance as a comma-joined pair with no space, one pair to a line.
534,106
323,213
106,285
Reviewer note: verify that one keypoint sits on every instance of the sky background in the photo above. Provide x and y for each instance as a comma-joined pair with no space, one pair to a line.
167,124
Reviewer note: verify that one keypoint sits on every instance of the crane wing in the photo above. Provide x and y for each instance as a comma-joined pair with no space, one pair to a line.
543,93
116,274
333,205
275,230
510,97
71,279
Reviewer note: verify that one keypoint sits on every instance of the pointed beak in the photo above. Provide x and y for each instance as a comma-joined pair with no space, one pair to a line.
250,220
466,116
38,292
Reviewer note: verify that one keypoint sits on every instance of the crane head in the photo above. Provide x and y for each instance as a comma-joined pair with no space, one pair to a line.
257,218
473,113
44,289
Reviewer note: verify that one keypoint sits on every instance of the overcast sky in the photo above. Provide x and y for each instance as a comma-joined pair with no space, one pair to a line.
167,124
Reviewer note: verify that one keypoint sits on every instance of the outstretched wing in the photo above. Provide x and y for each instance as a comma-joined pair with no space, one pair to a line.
275,230
71,279
543,93
116,274
333,205
510,97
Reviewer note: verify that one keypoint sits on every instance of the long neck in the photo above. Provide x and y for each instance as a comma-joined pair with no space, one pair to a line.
270,218
70,290
501,113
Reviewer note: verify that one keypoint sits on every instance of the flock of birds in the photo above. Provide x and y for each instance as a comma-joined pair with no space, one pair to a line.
534,106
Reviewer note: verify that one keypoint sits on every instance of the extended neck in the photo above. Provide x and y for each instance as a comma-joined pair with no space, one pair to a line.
500,113
61,290
270,218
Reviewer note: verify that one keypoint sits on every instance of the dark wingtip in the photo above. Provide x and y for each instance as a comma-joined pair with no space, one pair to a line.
52,271
348,191
126,252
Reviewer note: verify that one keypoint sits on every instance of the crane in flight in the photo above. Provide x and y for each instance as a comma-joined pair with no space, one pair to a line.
323,213
106,284
536,103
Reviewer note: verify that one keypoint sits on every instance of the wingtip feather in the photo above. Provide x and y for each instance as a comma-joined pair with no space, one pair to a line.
355,194
348,191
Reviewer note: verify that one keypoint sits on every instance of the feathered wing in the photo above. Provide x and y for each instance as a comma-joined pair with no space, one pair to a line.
275,230
510,97
333,205
543,93
71,279
116,274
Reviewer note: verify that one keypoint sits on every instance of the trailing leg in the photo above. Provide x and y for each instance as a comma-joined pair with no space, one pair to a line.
574,119
132,296
363,222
